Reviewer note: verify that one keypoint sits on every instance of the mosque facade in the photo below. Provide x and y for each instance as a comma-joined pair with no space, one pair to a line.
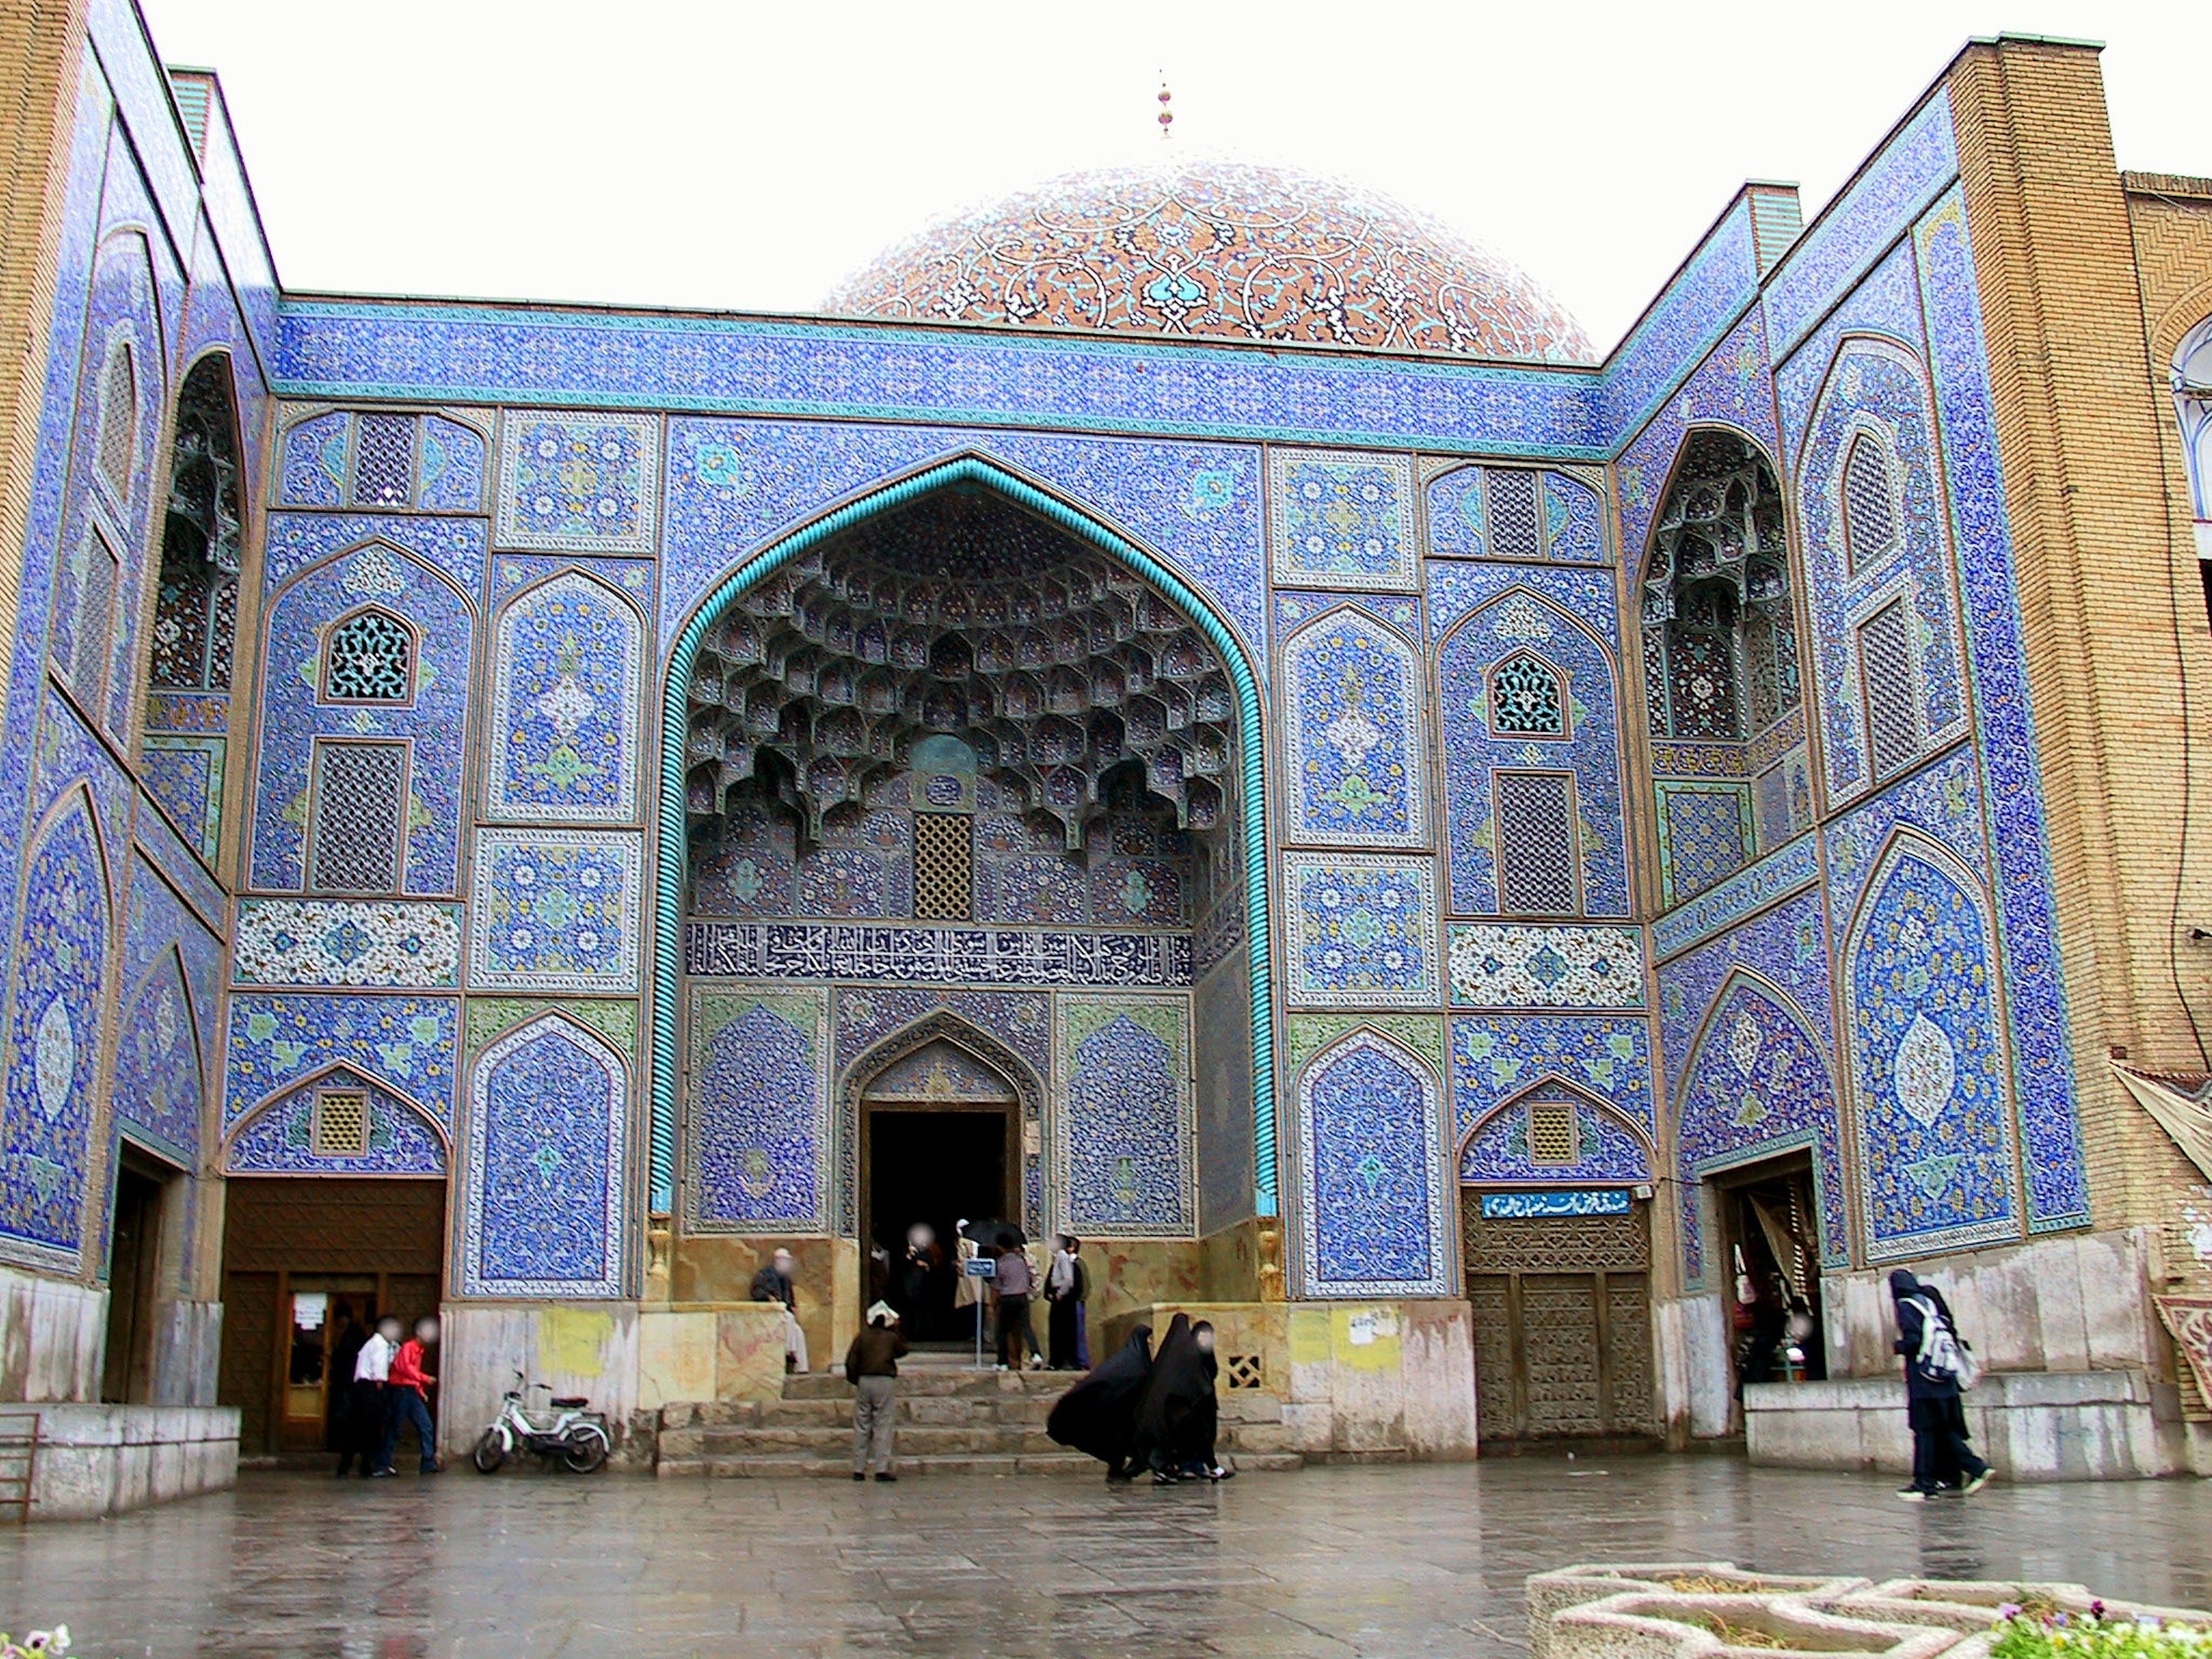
1190,708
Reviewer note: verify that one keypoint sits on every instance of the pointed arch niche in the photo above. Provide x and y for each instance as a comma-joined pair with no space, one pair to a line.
958,698
1352,732
1370,1155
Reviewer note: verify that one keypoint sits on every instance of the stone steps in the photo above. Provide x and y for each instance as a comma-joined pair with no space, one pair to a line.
952,1419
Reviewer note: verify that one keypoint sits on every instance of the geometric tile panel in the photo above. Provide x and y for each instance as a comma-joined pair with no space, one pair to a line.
542,1203
1518,965
1342,519
565,705
555,910
159,1092
756,1134
1371,1161
1704,837
1352,697
385,945
1935,1114
1126,1134
578,482
184,774
1361,930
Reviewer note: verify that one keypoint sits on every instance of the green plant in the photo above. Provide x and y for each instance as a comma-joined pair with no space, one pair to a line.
2046,1633
35,1644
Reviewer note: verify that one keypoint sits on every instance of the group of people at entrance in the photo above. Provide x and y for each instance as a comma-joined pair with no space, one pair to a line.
383,1392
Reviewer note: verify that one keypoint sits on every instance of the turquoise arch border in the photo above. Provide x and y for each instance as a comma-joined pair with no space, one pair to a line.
673,829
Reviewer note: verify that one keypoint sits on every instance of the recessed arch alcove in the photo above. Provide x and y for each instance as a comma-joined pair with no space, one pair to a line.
956,742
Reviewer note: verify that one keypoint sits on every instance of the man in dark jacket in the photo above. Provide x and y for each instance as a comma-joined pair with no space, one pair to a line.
773,1283
871,1367
1930,1346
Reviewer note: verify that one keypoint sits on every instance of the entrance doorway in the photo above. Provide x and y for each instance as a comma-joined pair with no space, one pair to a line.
935,1165
134,1279
1767,1214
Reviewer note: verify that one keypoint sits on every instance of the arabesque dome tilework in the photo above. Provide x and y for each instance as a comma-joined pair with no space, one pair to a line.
1219,248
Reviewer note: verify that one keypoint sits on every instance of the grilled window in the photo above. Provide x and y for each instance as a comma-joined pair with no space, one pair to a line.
360,818
1516,527
92,621
1891,687
1535,843
1526,699
370,658
943,866
1870,501
1552,1137
119,421
383,460
341,1123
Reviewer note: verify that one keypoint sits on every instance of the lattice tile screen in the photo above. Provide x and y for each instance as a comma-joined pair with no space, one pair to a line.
91,632
1525,700
360,816
1891,687
118,421
1535,843
383,460
943,866
1869,509
1244,1370
341,1123
370,658
1552,1136
1514,529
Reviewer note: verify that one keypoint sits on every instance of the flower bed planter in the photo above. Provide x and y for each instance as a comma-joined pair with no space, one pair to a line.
1633,1625
1550,1594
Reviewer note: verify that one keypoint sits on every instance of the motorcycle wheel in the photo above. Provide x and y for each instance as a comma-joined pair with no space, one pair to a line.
585,1452
490,1453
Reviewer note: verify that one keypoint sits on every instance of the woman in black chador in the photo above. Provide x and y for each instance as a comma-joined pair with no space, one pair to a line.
1179,1416
1932,1349
1098,1415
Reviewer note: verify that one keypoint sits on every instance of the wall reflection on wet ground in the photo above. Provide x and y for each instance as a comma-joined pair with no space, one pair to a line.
1336,1561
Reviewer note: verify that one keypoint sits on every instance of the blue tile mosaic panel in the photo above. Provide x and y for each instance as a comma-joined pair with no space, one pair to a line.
573,482
279,1138
1342,520
1704,837
542,1203
555,910
757,1130
1495,1057
1535,965
1929,1078
159,1092
1553,516
2035,993
160,926
1361,930
405,1042
1758,1083
313,464
450,467
1786,945
294,712
1562,620
1606,1147
385,945
1371,1165
1683,324
54,1041
1878,392
1352,697
452,547
184,774
1126,1137
567,673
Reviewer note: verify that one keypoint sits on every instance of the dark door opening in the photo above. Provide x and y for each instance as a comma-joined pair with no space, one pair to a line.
134,1276
937,1166
1768,1215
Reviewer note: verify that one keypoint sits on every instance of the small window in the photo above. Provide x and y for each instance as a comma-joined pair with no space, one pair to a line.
1536,843
1553,1136
1526,699
1516,531
370,658
943,866
360,818
1891,687
1870,501
119,421
92,621
1245,1371
341,1123
383,460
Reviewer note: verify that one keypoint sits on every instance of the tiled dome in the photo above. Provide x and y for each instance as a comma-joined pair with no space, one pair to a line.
1217,248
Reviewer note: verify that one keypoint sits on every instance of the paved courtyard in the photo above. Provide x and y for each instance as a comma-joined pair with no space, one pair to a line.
1333,1561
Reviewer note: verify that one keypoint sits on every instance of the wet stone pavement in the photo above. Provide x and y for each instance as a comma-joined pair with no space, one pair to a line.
1329,1561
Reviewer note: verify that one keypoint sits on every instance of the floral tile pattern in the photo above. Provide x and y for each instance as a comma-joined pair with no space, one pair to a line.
579,482
1370,1157
1530,965
1125,1143
756,1141
1353,697
1342,520
555,910
1362,930
389,945
567,673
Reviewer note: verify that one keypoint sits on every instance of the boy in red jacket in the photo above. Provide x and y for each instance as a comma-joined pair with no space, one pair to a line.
405,1403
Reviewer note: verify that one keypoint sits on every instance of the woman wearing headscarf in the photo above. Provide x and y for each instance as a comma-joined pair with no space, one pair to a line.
1098,1414
1176,1420
1933,1352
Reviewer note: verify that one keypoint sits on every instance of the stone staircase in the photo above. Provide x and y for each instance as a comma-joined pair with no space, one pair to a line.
952,1419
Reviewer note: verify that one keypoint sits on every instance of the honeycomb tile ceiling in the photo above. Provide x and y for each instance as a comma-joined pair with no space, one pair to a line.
960,615
1194,245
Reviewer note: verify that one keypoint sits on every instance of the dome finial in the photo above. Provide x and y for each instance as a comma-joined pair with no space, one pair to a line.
1167,115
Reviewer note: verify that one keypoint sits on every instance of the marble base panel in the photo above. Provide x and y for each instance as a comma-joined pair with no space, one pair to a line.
588,1348
2031,1425
96,1461
724,1350
51,1334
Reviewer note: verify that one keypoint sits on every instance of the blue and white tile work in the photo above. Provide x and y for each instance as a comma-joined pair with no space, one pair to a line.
1496,1058
543,1205
555,910
1360,930
568,668
278,1138
406,1043
1369,1162
1352,704
1340,520
1126,1138
757,1132
1606,1147
1525,965
578,482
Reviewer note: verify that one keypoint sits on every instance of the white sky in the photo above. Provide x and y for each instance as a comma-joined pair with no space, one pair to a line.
746,155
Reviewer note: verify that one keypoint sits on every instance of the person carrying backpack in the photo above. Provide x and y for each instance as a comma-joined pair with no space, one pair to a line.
1938,1365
